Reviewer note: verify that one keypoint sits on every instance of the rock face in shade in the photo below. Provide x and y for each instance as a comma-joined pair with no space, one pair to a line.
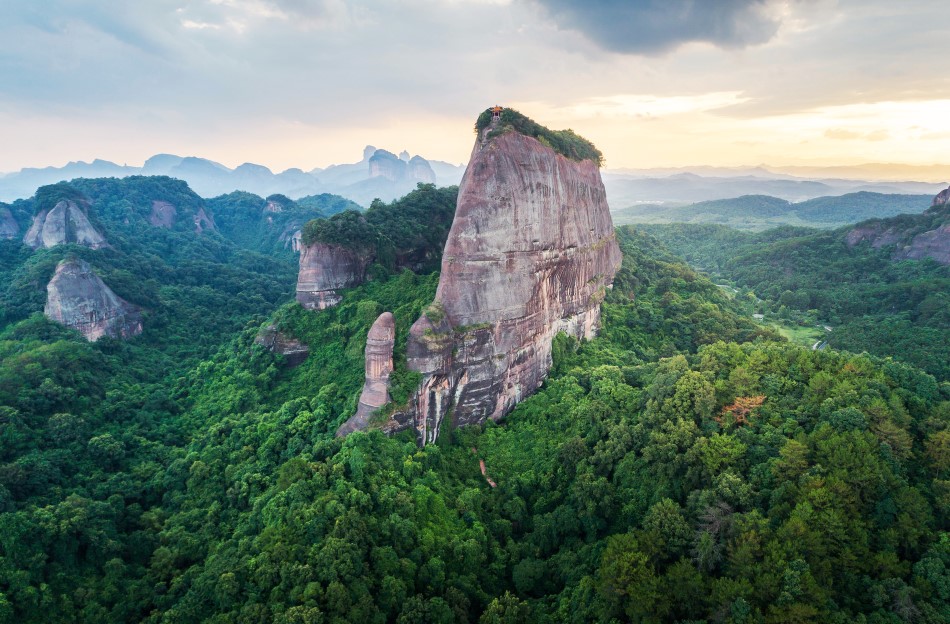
531,253
379,364
280,343
163,214
8,225
65,223
324,269
419,170
387,165
78,298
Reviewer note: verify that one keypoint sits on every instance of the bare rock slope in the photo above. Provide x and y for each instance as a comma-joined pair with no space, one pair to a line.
531,253
912,237
66,222
78,298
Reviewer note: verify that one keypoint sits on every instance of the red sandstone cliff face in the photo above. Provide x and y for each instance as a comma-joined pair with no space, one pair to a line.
78,298
531,253
942,198
324,269
379,365
65,223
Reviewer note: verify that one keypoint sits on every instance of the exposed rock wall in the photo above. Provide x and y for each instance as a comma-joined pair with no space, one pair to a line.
420,170
163,214
78,298
8,225
324,269
379,365
65,223
531,253
204,222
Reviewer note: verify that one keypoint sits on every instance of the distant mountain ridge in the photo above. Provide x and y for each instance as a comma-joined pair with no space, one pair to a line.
360,182
759,212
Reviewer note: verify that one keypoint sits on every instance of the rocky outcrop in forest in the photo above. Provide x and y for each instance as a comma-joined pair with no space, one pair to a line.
78,298
531,253
324,269
8,225
914,237
379,365
276,341
66,222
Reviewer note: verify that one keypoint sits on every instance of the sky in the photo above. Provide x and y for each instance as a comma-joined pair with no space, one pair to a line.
308,83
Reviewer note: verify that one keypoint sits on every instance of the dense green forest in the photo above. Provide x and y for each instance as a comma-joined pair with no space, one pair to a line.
408,232
761,212
687,465
872,302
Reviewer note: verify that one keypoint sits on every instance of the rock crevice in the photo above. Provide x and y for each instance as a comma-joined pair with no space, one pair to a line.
66,222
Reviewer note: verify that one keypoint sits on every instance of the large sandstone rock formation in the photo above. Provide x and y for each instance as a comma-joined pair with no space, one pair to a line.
8,225
324,269
531,253
379,364
419,170
78,298
65,223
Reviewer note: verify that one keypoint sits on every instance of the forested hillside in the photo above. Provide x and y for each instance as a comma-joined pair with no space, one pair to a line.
684,466
760,212
873,302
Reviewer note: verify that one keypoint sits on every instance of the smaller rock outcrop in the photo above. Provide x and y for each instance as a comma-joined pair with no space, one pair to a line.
914,237
8,225
942,198
65,223
419,170
163,214
204,222
78,298
379,365
280,343
324,269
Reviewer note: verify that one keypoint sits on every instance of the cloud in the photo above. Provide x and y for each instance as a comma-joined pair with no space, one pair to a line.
657,26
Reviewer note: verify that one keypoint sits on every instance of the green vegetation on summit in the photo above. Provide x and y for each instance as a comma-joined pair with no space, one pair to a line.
565,142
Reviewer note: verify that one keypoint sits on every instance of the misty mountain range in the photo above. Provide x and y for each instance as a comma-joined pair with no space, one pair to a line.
385,175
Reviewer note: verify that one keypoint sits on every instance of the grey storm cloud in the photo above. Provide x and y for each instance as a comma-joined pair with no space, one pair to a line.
656,26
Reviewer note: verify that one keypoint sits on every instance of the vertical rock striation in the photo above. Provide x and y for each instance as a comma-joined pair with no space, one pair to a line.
531,253
78,298
379,364
65,223
324,269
